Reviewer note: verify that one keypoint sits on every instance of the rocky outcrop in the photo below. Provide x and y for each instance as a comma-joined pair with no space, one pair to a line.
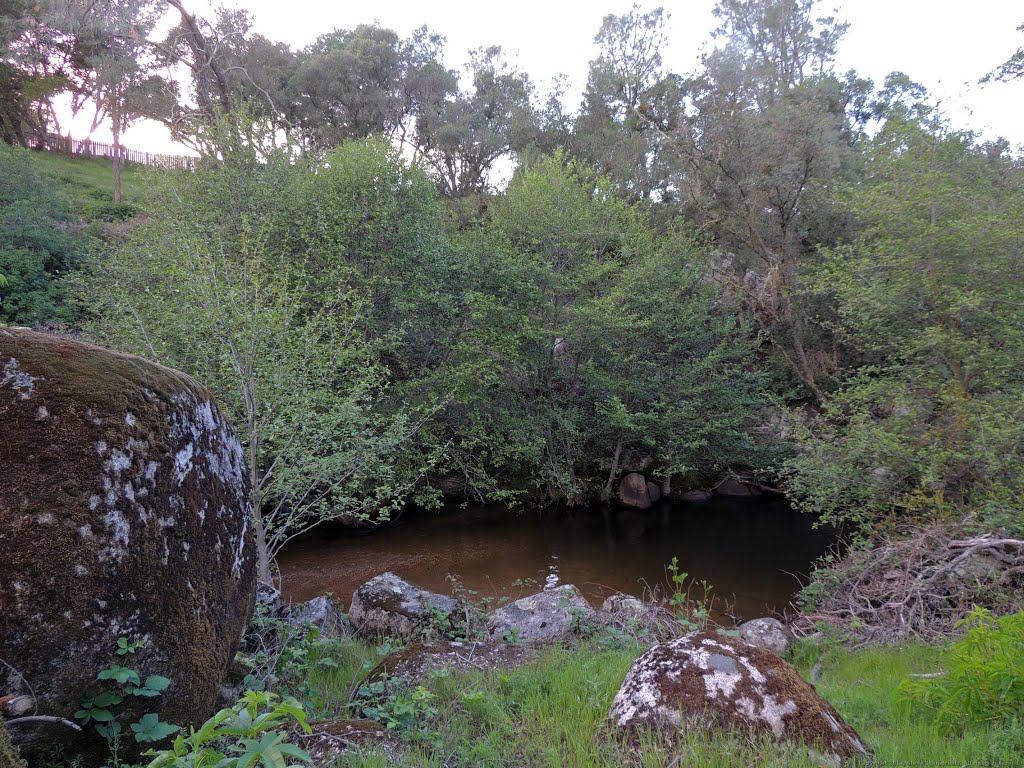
702,680
547,616
631,614
633,491
123,513
389,606
767,633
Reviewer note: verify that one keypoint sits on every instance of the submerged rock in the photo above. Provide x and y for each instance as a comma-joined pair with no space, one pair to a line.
633,491
767,633
702,680
547,616
389,606
123,514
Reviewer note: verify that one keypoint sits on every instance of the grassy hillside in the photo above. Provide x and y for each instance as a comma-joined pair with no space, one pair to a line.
87,184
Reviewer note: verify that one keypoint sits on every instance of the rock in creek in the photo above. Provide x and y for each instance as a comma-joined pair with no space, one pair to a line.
702,680
389,606
633,491
123,513
547,616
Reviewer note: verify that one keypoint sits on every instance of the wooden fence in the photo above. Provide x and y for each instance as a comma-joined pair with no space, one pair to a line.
65,145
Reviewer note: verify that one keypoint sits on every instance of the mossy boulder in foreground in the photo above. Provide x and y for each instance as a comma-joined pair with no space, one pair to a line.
123,513
703,680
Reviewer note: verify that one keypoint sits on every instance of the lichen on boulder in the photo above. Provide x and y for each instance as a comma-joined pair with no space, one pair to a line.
547,616
123,513
389,606
702,680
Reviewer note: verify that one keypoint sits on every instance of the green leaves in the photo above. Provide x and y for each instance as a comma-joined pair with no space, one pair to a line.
151,728
982,683
244,736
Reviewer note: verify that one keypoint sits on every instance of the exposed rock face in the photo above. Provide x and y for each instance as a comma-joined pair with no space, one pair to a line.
389,606
701,679
767,633
123,513
632,614
633,491
544,617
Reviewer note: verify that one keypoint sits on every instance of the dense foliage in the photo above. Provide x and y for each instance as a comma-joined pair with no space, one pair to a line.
763,264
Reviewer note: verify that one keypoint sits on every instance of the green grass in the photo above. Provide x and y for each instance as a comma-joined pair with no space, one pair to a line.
552,713
87,184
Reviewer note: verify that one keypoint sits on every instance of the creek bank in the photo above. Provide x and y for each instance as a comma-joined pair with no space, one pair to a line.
770,697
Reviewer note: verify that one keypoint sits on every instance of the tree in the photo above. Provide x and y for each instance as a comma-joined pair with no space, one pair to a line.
629,104
1011,69
929,291
217,284
463,139
763,135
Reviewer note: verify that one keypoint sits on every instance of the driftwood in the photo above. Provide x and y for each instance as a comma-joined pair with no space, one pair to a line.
920,586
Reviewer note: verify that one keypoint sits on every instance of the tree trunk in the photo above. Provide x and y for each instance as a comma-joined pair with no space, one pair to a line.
115,115
606,495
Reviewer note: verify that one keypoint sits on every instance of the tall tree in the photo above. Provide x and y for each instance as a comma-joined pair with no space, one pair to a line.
629,104
493,118
763,135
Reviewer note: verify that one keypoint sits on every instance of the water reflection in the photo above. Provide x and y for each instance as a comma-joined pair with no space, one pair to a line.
753,553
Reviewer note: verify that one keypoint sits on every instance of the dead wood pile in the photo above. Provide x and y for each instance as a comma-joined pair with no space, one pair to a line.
918,587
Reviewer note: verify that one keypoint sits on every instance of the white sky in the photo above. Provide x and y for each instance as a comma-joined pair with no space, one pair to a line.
942,44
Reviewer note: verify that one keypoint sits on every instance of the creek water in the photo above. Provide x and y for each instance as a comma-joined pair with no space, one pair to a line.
755,554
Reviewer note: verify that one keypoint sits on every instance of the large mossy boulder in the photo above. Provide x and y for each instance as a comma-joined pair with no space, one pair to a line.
702,681
123,513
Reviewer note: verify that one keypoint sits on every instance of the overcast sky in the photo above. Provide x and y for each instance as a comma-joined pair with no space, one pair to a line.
944,45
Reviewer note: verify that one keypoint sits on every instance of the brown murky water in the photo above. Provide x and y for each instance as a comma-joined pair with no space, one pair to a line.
755,554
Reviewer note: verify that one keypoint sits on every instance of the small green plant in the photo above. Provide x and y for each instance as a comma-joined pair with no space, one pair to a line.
101,707
982,684
694,615
405,711
247,735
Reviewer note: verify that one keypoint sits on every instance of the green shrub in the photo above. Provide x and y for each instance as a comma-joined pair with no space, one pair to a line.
248,734
982,684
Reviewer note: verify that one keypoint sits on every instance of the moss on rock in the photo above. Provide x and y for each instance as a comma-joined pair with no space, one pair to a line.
123,513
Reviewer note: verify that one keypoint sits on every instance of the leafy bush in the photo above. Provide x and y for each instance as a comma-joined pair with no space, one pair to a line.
982,684
248,734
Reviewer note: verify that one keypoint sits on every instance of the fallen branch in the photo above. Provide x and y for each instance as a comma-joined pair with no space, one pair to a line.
43,719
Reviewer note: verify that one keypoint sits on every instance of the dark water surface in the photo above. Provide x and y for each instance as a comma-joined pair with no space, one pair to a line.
756,554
